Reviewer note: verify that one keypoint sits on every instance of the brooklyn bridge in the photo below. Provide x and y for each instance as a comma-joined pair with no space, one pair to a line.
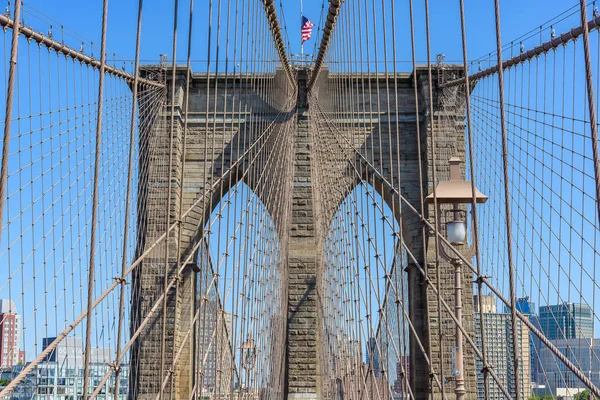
367,219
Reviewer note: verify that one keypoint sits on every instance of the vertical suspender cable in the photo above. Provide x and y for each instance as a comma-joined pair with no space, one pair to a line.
14,51
509,250
91,271
590,91
475,237
128,197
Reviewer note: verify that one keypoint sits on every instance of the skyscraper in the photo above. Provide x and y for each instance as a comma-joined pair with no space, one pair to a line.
488,304
567,321
70,352
10,329
556,376
218,351
400,384
527,307
523,305
564,321
499,350
373,357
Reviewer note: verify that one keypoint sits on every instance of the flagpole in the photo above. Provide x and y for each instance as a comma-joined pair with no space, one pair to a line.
301,41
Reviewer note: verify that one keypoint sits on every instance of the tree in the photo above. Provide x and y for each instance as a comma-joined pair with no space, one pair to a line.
4,381
585,395
536,397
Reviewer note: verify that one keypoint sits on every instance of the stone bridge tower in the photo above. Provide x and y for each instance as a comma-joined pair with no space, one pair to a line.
304,377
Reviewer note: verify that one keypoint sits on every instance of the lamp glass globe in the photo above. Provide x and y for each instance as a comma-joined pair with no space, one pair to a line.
457,232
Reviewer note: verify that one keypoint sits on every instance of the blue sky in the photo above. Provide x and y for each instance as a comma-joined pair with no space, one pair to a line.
84,17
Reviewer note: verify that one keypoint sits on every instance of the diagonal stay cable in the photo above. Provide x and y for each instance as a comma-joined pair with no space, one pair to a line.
563,39
51,44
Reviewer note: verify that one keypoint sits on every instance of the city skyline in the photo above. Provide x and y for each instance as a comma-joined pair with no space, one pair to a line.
61,373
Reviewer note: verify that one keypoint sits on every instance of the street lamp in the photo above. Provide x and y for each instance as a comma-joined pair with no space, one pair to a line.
456,192
248,357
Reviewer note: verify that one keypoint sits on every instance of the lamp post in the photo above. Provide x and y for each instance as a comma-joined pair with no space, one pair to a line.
456,192
248,357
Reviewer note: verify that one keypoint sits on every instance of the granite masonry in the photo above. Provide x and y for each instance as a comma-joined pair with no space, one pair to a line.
298,219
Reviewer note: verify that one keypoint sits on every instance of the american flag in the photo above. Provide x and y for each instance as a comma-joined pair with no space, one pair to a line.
306,29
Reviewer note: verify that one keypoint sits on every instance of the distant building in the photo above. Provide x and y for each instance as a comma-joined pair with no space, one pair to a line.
22,359
351,363
497,328
527,307
373,387
70,351
215,339
372,357
55,381
559,379
10,330
60,375
567,321
562,321
488,304
215,336
26,389
523,305
400,383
